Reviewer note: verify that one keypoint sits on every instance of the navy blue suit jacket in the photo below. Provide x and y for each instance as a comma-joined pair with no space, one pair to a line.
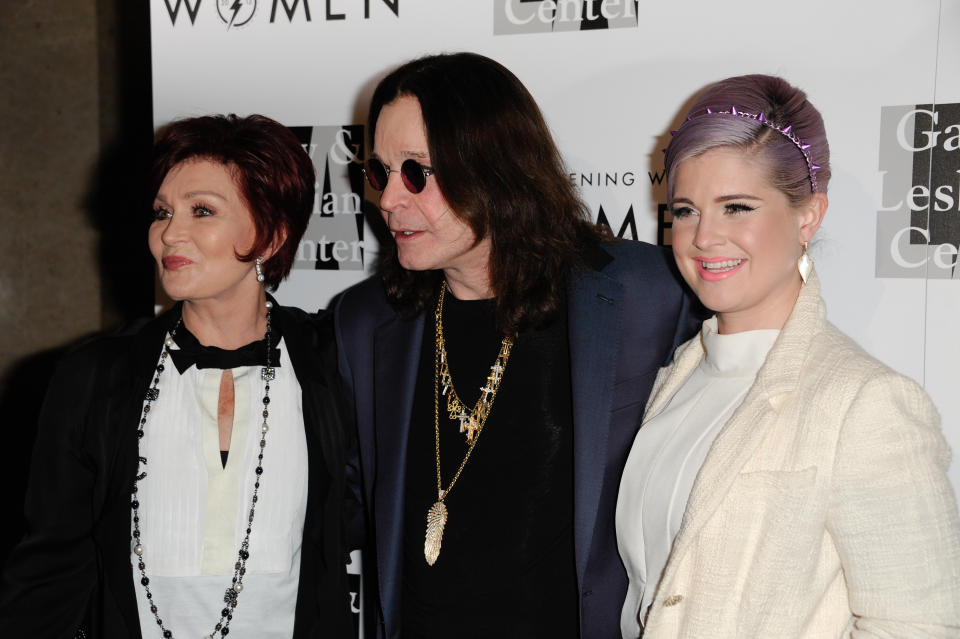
627,312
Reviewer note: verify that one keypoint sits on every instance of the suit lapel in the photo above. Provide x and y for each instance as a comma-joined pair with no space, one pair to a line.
129,383
397,345
306,357
302,346
308,354
595,314
670,378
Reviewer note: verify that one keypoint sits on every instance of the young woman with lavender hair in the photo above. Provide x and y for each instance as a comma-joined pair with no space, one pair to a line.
784,483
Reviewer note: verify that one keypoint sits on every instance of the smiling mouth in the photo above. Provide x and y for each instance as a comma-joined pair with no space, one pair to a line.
722,266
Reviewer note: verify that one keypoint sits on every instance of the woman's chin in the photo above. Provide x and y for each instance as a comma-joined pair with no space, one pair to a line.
176,291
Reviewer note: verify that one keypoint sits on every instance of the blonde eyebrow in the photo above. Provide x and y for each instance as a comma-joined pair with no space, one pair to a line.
722,198
737,196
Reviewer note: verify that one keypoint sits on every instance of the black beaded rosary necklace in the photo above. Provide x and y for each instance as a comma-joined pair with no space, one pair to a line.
267,374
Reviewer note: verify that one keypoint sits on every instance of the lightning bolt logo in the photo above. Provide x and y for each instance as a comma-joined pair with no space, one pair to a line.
235,7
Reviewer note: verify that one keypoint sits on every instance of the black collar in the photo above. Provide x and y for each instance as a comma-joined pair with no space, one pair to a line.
192,353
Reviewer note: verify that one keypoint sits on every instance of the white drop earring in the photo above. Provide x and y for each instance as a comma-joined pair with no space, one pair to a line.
259,264
804,264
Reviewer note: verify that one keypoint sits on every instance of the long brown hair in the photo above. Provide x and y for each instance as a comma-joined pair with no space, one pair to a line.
499,169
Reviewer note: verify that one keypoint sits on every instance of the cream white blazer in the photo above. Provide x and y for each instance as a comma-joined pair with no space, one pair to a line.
823,508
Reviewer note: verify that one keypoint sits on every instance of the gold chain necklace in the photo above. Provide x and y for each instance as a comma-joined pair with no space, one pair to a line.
472,422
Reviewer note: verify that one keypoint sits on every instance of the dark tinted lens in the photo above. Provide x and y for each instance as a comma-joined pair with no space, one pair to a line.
376,173
413,177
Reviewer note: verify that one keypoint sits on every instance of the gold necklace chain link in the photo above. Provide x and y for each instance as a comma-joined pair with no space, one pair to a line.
471,419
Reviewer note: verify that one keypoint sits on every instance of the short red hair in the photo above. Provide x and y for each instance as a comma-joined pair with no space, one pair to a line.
274,174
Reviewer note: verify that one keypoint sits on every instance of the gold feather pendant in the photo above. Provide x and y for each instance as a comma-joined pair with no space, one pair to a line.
436,520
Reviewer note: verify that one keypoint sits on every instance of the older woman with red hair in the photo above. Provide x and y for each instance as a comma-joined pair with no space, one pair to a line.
188,474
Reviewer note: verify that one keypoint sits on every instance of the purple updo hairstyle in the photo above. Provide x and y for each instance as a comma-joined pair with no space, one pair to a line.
782,105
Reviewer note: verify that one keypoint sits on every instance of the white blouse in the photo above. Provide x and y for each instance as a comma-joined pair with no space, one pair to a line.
667,454
193,510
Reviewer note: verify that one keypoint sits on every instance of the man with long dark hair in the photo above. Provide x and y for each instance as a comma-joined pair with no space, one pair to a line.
498,365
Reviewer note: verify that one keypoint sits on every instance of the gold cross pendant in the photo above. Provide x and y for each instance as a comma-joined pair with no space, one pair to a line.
469,426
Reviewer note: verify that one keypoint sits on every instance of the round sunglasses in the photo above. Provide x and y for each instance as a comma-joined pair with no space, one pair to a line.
413,174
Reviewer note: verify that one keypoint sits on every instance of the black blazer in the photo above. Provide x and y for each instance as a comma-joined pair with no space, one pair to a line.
627,311
73,567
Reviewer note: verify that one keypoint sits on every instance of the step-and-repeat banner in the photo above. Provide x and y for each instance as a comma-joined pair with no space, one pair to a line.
612,78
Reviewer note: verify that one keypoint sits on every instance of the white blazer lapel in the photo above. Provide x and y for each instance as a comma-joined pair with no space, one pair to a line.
750,422
686,358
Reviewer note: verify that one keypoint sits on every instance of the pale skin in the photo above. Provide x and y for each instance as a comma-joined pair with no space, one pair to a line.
201,223
428,233
737,238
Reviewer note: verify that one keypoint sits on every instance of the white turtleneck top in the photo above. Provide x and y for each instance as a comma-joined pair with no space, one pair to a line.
667,454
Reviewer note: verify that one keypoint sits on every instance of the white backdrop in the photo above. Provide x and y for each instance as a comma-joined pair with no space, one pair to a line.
610,94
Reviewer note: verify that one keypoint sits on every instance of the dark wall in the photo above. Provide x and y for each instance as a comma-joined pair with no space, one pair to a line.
77,126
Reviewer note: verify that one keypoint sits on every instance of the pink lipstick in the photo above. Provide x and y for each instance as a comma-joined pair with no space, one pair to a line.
714,269
174,262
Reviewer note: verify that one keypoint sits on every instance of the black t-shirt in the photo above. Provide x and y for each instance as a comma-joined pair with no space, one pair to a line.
507,566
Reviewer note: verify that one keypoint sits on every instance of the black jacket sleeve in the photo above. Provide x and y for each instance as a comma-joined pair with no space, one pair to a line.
51,575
